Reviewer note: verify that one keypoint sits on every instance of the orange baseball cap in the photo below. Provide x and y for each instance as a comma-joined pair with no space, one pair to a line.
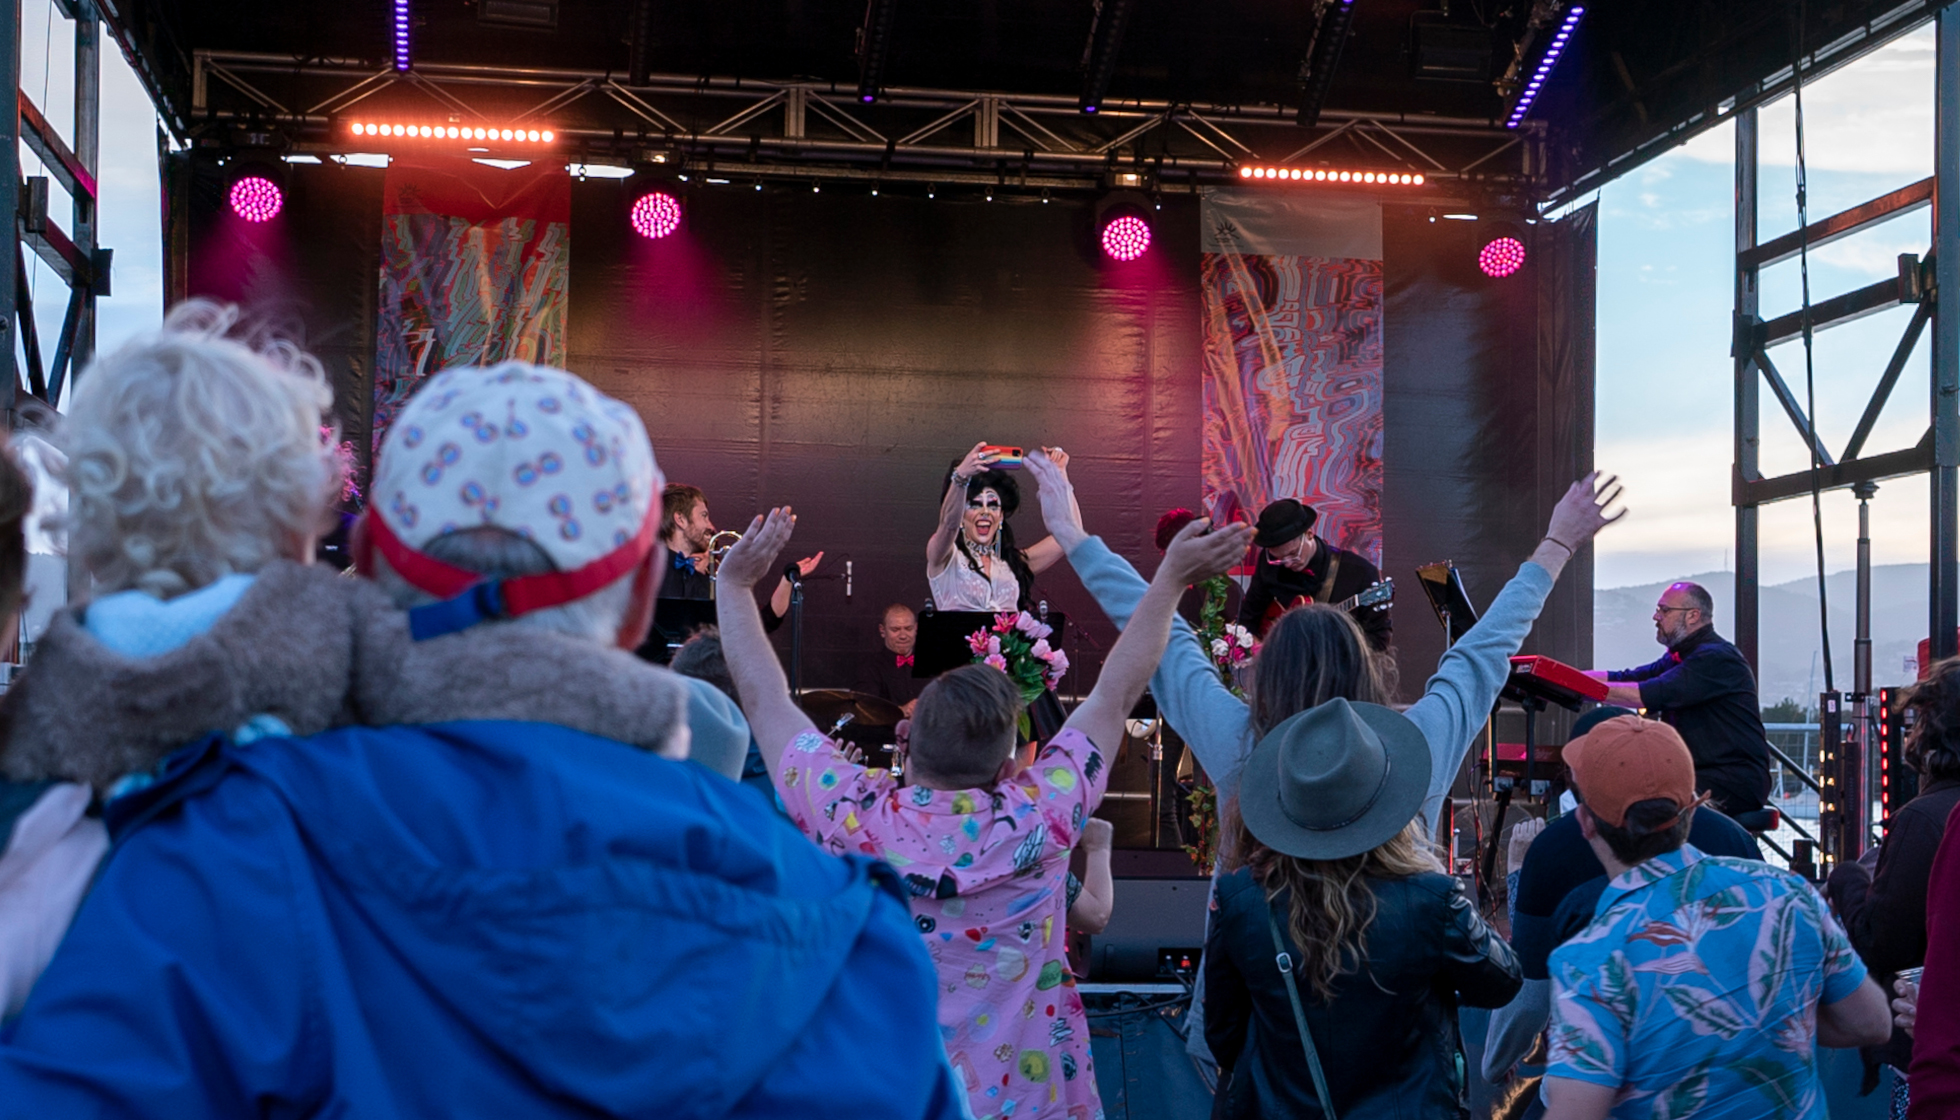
1626,760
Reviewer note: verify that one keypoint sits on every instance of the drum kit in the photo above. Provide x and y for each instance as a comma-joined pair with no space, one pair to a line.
868,721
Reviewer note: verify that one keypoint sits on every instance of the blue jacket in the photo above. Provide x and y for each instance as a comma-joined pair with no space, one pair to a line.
474,919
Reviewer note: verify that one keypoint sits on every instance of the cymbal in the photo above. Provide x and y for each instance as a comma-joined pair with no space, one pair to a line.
828,705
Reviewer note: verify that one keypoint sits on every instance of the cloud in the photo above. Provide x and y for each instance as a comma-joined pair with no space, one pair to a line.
1875,115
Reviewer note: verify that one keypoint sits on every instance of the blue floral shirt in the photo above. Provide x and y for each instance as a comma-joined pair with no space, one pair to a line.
1695,991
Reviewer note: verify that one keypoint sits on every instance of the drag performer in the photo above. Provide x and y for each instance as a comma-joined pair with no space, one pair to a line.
972,563
1296,565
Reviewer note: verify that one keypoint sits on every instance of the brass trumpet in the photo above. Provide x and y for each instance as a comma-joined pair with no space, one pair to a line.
718,546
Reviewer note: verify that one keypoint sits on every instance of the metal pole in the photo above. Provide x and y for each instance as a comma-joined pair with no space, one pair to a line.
10,202
1861,645
1943,607
1748,385
88,133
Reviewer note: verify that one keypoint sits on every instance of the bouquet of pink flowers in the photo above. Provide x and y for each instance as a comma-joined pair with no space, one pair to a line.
1017,644
1232,648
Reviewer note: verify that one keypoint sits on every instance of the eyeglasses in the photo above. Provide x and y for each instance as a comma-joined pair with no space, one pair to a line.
1664,610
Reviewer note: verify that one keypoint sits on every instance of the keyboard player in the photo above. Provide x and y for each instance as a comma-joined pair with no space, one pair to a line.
1704,687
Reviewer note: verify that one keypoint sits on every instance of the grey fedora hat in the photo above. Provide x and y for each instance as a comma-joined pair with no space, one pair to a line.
1334,781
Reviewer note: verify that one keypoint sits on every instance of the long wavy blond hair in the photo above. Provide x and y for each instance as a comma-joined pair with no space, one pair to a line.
1333,902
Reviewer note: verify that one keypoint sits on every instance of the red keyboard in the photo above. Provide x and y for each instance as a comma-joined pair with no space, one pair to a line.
1545,679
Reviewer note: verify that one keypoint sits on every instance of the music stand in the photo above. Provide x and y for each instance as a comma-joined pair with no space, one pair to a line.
942,638
676,620
1443,584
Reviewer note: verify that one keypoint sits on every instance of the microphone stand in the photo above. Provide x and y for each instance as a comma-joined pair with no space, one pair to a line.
795,577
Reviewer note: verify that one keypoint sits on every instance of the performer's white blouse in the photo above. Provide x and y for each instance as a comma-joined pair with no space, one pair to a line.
960,588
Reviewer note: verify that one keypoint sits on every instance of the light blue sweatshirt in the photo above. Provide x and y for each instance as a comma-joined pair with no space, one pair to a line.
1217,725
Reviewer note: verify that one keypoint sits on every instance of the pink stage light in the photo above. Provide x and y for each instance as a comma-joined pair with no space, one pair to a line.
1501,257
257,199
1126,238
655,215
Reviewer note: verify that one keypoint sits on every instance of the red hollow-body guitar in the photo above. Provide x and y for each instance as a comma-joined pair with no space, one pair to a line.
1374,597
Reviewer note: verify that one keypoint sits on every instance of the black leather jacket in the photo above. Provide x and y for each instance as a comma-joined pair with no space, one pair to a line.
1388,1042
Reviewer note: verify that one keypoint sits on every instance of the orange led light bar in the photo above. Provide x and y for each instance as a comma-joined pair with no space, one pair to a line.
1325,175
453,132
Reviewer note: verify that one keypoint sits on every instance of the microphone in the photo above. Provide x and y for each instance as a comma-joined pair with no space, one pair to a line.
1041,610
792,573
847,580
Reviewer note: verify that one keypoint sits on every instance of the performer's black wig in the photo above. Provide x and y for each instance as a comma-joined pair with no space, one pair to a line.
1002,483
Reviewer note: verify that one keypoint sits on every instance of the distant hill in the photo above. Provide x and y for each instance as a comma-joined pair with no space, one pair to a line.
1792,666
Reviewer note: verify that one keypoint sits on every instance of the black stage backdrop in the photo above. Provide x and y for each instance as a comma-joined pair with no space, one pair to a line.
836,351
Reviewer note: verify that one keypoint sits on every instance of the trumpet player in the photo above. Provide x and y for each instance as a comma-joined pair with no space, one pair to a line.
689,534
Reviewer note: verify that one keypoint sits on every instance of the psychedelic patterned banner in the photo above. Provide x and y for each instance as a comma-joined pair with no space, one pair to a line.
474,262
1293,360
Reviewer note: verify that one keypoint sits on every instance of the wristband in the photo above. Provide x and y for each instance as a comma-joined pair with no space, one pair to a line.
1569,550
959,479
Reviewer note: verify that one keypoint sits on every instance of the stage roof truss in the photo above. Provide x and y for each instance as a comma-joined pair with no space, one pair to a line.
808,130
72,254
1930,284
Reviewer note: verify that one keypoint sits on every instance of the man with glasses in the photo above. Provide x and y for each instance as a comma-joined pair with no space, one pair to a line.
1296,566
1704,687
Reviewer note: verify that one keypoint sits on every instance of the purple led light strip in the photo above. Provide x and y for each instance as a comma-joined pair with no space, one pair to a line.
401,34
1559,42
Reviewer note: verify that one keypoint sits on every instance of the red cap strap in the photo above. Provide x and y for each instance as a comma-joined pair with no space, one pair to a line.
521,594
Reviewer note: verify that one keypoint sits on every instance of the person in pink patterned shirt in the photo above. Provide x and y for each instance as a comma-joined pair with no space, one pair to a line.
981,842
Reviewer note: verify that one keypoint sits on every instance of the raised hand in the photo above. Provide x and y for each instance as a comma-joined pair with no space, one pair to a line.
809,564
1198,554
1522,834
754,556
976,460
1582,512
1097,834
1058,510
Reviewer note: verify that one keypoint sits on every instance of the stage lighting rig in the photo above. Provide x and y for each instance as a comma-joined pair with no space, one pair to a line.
1522,93
1331,20
1503,249
255,187
655,213
1123,230
1106,27
874,40
444,131
398,26
1261,173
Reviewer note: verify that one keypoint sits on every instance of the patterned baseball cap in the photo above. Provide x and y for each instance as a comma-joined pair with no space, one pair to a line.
526,448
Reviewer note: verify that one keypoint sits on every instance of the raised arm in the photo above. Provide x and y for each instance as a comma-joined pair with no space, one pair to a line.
1197,705
1196,554
1050,550
752,663
1459,696
952,507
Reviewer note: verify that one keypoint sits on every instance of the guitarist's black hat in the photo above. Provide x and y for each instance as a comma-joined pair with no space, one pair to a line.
1282,521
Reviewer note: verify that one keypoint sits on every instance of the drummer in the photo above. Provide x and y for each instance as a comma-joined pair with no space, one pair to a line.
887,674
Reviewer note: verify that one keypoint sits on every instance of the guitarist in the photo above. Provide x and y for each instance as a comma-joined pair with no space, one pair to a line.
1296,566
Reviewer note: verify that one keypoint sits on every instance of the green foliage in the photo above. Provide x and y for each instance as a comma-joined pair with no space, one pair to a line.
1787,710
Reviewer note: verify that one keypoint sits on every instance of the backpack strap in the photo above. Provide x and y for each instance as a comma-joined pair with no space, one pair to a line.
1285,962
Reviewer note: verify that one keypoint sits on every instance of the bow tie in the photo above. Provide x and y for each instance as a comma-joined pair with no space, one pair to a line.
901,660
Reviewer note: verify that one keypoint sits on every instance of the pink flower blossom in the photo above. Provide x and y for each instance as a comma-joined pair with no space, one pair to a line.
1003,623
977,642
993,646
1041,649
997,661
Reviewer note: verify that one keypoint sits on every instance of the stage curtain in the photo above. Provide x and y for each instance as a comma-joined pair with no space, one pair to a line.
1293,360
474,264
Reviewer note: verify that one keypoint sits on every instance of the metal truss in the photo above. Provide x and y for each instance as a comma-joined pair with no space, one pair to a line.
791,129
1932,287
74,257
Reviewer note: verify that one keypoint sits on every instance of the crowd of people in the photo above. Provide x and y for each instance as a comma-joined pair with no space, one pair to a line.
427,838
